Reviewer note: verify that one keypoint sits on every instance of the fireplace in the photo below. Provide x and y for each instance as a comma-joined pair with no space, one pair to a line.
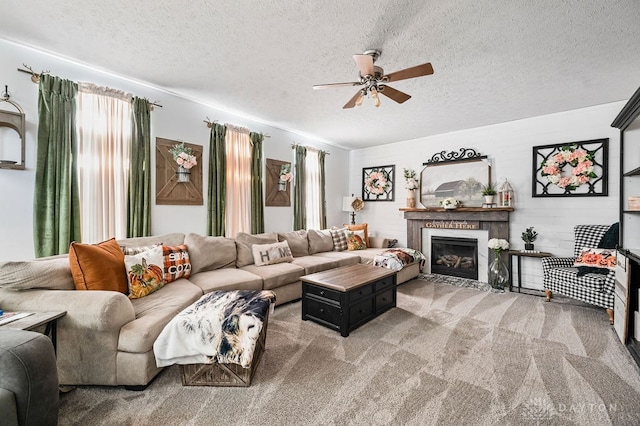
457,257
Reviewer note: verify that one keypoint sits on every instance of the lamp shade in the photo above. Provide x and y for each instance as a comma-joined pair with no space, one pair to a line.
347,203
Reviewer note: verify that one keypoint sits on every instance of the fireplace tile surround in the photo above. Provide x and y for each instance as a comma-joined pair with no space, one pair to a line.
466,222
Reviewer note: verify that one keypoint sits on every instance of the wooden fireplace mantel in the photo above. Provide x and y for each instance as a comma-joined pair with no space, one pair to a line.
458,210
495,221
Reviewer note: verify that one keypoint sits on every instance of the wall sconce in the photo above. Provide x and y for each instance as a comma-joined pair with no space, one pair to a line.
352,204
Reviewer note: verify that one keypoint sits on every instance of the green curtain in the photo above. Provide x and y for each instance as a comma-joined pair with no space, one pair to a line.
257,203
217,180
299,204
139,193
323,198
56,206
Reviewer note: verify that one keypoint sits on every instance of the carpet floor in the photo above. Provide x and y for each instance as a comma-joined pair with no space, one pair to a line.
446,355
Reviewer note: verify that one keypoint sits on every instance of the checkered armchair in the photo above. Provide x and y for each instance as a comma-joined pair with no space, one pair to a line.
561,277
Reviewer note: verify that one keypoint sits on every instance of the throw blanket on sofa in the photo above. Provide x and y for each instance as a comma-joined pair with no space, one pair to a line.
222,326
398,258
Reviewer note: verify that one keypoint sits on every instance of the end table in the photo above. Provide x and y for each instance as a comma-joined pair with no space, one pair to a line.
37,319
519,255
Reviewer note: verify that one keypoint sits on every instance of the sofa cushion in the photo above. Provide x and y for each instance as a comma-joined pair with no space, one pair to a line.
174,239
315,263
210,253
368,255
226,279
244,242
153,313
319,241
98,266
344,258
276,275
176,262
298,242
145,272
579,284
51,273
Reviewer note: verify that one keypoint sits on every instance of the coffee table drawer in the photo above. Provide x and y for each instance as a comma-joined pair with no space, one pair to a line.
384,300
324,312
323,292
385,282
360,311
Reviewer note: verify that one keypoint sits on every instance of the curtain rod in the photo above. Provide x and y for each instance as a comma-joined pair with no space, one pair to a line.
210,123
295,145
35,77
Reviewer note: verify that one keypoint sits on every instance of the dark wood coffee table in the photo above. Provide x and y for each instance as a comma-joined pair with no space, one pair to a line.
345,298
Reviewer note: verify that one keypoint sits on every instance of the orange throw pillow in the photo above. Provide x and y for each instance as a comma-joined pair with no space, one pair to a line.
98,266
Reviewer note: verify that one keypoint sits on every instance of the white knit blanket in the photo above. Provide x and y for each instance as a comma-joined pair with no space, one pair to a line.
222,327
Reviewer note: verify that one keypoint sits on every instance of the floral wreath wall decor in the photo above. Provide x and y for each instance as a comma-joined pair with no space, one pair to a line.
575,169
378,183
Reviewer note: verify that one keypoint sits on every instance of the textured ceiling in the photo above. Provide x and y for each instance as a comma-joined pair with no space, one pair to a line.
494,60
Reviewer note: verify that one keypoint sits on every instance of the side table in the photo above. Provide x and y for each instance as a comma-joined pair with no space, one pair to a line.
37,319
519,255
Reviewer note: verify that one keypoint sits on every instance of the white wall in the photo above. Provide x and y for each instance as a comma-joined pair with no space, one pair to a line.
179,119
509,147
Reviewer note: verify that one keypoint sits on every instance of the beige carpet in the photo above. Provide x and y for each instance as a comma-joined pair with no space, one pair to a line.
446,355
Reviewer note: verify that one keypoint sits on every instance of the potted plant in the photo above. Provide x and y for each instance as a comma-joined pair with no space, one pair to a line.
529,236
489,192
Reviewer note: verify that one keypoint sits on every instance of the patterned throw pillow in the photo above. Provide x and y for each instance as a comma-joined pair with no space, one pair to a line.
339,239
355,241
176,262
269,254
137,250
145,273
596,257
362,227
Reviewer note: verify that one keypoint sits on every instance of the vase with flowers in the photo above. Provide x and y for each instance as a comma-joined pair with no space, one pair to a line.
410,184
183,156
498,274
285,176
450,203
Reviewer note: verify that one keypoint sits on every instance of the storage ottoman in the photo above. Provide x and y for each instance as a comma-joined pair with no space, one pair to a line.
219,340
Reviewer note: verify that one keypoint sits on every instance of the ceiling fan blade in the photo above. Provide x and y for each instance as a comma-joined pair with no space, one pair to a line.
364,63
352,101
417,71
327,86
396,95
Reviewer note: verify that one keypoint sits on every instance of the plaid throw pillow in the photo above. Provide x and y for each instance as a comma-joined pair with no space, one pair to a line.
176,262
339,237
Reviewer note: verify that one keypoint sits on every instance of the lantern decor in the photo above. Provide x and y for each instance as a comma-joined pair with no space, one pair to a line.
505,194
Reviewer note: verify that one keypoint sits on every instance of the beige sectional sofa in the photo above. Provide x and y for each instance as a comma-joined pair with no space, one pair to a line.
107,339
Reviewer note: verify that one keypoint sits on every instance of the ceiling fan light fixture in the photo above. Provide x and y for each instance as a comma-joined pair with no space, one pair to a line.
360,99
375,97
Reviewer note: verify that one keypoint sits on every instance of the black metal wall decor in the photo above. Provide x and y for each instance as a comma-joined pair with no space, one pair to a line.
460,155
378,183
574,169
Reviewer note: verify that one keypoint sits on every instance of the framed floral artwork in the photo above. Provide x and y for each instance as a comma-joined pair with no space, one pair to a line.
574,169
378,183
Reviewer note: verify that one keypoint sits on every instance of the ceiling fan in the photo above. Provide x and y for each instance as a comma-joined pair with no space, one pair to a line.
374,80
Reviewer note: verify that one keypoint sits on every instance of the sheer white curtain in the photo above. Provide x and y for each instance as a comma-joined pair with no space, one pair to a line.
312,189
104,139
238,199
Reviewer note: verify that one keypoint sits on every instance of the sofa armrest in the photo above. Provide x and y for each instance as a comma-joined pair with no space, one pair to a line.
91,309
557,262
380,242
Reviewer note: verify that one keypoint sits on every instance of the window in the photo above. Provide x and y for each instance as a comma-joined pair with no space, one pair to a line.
313,189
104,139
238,193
